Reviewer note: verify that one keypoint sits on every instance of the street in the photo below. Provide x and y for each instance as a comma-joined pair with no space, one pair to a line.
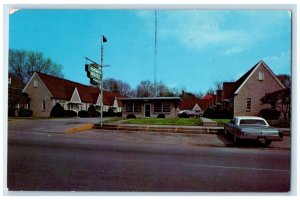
84,161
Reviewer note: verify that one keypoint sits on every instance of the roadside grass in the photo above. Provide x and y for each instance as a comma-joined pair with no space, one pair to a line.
112,119
221,122
166,121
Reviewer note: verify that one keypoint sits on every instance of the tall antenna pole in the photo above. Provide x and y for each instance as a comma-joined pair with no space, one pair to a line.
155,52
101,83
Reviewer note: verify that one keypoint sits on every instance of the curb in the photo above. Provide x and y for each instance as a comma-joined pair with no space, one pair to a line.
79,128
169,129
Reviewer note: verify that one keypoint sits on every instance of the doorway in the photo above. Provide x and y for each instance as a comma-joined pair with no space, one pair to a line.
147,110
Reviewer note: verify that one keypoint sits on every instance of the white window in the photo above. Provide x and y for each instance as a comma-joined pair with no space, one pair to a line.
261,76
248,104
35,83
44,105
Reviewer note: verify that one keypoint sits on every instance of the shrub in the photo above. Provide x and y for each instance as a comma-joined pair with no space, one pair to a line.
161,115
97,114
57,111
269,114
209,113
109,113
83,113
92,111
217,114
11,112
70,113
131,116
24,113
118,114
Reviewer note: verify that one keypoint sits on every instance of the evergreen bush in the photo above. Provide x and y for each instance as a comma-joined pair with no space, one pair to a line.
57,111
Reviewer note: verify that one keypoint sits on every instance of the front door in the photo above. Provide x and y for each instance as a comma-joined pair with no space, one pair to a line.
147,110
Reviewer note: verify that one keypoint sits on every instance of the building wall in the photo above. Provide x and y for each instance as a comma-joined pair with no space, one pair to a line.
255,89
37,96
171,114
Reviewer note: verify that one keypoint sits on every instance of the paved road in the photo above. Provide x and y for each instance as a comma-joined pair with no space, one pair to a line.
43,161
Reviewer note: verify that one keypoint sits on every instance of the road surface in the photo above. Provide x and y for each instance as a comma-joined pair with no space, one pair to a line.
43,161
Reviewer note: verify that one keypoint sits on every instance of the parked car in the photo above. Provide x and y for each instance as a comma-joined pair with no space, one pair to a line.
189,113
252,128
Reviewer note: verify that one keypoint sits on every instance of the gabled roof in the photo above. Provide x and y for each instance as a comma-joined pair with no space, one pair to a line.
248,75
208,96
63,89
190,104
231,88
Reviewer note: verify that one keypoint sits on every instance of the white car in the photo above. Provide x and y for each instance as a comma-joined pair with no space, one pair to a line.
252,128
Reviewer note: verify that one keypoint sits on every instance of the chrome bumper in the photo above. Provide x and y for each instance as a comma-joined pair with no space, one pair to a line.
259,137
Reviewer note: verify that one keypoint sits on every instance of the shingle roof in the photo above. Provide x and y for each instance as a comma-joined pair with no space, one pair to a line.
229,88
63,89
16,82
190,104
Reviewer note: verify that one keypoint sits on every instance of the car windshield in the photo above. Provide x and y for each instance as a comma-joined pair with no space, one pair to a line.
252,122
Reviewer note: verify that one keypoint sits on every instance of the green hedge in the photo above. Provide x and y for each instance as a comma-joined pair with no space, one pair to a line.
24,113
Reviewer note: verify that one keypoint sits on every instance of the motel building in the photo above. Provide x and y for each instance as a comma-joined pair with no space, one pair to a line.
150,107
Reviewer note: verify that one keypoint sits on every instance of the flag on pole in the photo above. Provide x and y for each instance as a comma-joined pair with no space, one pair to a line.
104,39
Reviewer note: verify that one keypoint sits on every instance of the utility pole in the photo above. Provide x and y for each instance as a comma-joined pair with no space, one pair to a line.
155,49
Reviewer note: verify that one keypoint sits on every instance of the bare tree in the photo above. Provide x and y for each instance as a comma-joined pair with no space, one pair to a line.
145,89
163,90
23,63
117,86
285,80
124,88
218,85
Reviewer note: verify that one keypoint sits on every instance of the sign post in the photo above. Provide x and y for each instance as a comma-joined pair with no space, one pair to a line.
103,40
96,75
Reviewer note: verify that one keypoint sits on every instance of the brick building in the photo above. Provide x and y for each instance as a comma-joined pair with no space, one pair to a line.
16,99
243,96
150,106
45,91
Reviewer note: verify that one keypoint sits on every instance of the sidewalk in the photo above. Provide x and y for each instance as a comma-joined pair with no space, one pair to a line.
118,125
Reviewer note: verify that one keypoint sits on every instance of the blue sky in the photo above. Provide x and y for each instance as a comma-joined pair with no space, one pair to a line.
195,48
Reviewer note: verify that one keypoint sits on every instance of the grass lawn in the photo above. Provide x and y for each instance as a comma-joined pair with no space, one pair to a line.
167,121
108,120
221,122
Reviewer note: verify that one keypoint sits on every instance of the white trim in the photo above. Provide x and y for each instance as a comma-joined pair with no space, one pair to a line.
115,104
265,65
271,72
197,106
30,80
73,96
98,102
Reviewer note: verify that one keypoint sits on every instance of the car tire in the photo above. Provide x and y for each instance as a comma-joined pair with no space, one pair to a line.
226,132
236,140
268,142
